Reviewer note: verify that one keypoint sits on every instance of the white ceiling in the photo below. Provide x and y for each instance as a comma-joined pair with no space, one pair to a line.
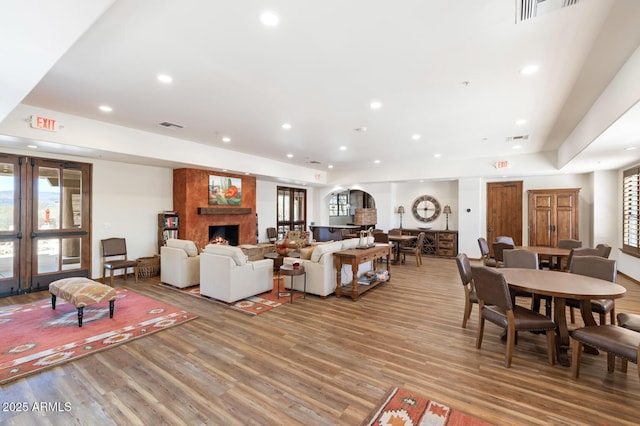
447,70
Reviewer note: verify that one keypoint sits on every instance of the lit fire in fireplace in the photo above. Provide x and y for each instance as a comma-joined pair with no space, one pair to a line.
219,241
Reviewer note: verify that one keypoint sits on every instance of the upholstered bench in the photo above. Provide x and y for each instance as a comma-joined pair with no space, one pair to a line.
81,292
614,340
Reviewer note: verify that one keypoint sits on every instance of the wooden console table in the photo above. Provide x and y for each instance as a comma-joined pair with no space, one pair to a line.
355,257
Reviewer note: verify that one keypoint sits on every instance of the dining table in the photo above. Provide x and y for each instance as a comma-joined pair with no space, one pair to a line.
398,240
552,253
562,286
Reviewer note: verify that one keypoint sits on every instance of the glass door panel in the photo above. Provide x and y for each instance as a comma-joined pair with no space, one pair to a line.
10,235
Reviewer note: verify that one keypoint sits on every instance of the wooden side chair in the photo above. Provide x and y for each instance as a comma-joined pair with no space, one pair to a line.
495,305
498,250
114,257
466,276
520,258
272,234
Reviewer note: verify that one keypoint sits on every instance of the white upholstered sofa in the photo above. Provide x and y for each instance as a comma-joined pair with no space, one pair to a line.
180,263
319,267
227,275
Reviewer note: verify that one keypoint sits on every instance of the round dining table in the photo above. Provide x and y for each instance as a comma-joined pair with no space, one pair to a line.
562,286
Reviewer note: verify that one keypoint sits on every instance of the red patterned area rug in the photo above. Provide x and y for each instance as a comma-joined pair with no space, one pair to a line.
35,337
253,305
404,408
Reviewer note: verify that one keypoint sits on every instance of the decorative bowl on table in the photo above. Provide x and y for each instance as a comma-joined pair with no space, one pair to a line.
282,247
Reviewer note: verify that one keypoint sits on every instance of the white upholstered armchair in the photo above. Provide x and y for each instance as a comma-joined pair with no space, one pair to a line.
180,263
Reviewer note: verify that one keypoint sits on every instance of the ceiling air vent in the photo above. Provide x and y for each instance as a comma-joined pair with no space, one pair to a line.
527,9
517,138
167,124
314,162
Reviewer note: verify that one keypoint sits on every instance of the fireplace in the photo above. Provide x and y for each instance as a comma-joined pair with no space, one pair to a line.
224,232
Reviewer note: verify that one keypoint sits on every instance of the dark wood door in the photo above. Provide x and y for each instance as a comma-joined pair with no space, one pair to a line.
504,210
553,216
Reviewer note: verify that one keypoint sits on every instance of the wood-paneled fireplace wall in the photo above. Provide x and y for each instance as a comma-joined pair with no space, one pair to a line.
191,202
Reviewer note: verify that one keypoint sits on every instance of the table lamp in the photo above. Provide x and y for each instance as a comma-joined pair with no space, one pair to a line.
400,212
447,212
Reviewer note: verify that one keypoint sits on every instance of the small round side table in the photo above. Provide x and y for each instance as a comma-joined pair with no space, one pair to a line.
289,270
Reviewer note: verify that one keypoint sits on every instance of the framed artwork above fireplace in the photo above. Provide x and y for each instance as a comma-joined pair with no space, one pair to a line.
225,190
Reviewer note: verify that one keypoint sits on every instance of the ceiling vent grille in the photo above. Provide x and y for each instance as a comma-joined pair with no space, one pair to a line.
167,124
517,138
527,9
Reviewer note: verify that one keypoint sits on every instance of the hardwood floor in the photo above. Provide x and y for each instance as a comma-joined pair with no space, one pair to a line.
327,361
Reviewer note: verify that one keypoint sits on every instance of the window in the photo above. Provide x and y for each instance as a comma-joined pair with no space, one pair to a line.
631,211
339,204
292,210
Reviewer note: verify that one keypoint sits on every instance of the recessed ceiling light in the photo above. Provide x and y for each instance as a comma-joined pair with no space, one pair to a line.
437,155
105,108
330,166
290,155
375,105
415,137
521,122
164,78
226,139
376,161
360,129
32,146
529,69
286,126
630,148
247,173
517,147
343,148
269,19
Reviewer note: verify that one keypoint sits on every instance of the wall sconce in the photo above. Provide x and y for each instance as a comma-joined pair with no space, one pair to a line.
447,212
401,212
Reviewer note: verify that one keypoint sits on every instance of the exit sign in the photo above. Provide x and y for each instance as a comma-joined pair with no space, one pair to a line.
502,164
44,123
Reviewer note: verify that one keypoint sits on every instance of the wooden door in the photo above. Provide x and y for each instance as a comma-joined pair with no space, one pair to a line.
553,216
504,210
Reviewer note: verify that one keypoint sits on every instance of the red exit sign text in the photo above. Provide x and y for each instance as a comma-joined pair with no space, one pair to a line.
44,123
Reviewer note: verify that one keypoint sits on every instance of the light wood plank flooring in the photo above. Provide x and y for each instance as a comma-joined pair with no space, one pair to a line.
325,362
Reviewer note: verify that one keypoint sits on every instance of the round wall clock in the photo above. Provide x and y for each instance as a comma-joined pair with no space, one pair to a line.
426,208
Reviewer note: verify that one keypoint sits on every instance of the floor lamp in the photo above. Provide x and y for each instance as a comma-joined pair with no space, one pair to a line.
401,212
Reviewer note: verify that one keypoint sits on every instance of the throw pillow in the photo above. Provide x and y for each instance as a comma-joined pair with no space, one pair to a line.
306,252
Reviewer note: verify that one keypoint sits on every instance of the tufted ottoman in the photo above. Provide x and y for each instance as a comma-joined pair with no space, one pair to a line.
82,292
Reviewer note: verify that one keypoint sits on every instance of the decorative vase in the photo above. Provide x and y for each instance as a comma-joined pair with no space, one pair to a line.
282,247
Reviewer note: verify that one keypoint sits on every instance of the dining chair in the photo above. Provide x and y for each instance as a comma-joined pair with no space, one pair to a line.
614,340
114,257
596,267
578,252
470,296
520,258
505,239
272,234
568,244
415,250
604,250
495,305
485,255
632,322
381,237
498,250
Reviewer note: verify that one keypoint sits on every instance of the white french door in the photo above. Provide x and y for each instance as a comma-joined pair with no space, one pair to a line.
44,222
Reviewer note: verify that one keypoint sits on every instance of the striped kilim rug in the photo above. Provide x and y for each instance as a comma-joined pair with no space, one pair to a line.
403,408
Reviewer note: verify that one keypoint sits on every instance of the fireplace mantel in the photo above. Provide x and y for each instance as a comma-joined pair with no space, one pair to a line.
224,210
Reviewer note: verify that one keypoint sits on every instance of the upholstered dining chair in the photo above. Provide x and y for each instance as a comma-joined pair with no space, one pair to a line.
504,239
272,234
604,250
114,257
568,244
498,250
578,252
520,258
470,297
382,237
415,250
596,267
495,305
485,255
632,322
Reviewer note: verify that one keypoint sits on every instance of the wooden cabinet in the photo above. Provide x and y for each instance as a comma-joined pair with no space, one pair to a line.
437,242
553,216
167,227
